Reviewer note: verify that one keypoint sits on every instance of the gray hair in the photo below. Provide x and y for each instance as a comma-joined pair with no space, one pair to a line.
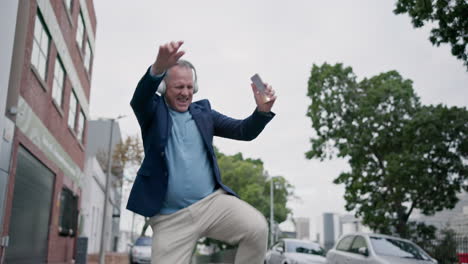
183,64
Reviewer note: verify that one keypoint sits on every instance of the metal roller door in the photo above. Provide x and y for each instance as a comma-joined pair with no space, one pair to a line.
30,215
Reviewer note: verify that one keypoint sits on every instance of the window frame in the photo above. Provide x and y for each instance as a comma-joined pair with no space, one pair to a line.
58,66
88,56
38,47
355,250
74,109
351,237
68,213
80,32
68,5
81,125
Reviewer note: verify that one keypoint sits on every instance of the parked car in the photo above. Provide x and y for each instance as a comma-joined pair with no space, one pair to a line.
295,251
140,252
362,248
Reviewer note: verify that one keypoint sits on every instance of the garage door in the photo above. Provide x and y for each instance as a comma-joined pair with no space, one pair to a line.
30,216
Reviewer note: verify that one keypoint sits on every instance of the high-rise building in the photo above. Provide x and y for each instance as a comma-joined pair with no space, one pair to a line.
44,107
332,226
302,228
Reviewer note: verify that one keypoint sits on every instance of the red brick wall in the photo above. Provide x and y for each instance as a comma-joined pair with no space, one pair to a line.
38,94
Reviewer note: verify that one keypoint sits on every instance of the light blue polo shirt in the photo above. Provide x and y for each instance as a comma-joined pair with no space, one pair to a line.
190,173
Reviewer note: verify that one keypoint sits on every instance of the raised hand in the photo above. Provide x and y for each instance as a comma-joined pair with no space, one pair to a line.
265,100
168,56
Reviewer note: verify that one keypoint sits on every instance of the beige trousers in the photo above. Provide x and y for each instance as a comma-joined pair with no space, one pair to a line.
219,216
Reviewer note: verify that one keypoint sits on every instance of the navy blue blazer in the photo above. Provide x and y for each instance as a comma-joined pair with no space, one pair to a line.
150,185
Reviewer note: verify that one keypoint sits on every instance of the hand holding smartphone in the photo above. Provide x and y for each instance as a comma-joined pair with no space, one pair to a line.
260,86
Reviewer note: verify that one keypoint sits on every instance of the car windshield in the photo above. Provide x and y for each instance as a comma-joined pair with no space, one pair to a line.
304,247
397,248
143,241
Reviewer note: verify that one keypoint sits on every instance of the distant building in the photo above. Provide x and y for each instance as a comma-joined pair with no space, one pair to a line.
99,132
92,205
46,52
456,218
331,230
334,226
302,228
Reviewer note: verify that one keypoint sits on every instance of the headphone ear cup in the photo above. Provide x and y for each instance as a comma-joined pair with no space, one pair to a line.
195,87
162,87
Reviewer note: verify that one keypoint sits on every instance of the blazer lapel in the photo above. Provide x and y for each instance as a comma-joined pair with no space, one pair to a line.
201,122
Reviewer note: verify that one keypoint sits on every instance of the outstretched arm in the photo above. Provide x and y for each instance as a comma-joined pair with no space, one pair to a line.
253,125
143,102
168,56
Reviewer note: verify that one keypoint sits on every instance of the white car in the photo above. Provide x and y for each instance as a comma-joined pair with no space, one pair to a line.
362,248
295,251
140,252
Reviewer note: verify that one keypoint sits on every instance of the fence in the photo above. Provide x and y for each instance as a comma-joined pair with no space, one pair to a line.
449,249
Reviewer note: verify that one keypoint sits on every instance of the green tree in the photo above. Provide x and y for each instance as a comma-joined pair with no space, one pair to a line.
449,20
248,178
403,155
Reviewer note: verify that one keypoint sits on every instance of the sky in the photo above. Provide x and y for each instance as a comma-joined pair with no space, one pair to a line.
229,41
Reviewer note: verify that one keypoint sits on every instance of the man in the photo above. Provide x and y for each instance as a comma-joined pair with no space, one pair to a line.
178,184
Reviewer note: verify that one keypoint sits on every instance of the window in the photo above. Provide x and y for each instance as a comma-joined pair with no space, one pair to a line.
358,243
345,243
59,81
80,31
279,246
68,213
81,126
144,241
72,111
40,50
87,56
68,4
304,248
397,248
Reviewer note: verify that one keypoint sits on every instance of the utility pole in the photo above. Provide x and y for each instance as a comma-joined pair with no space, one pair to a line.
102,254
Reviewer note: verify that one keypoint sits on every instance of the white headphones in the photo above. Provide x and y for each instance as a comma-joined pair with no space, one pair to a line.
183,63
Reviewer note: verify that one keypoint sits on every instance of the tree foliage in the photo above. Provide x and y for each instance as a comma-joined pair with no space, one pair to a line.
403,155
129,154
125,153
449,18
248,178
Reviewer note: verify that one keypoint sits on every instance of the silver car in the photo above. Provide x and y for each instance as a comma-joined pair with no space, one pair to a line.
140,252
295,251
361,248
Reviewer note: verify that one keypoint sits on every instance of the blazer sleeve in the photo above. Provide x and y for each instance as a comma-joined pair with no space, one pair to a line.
246,129
145,99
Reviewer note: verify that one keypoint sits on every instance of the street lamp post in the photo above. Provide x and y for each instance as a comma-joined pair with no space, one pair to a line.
272,214
106,192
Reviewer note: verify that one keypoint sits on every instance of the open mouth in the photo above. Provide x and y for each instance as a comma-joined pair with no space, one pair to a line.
182,101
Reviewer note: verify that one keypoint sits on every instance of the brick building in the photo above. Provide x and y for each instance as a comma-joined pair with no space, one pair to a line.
44,110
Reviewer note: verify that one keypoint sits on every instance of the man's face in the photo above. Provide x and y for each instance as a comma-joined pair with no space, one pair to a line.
179,88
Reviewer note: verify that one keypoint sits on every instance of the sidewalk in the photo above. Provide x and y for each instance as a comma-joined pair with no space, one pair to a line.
111,258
